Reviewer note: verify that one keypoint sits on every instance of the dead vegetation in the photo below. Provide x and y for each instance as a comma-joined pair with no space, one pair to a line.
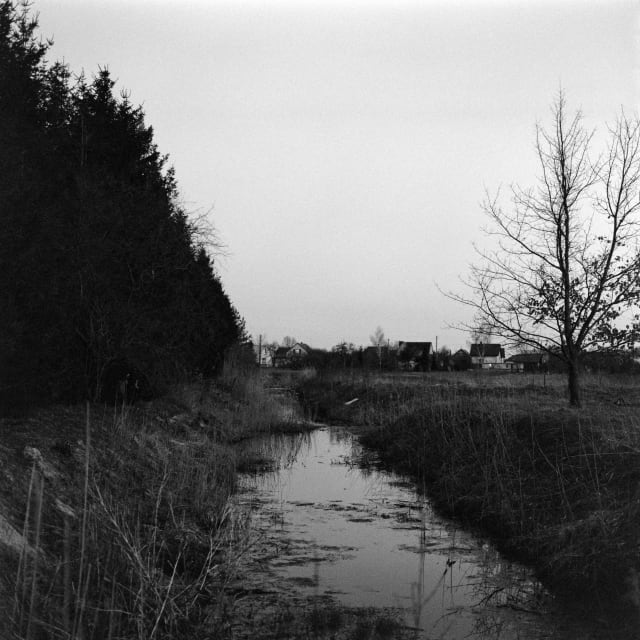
557,486
116,521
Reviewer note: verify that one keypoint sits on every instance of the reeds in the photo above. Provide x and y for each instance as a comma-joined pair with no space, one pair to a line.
137,542
559,487
245,397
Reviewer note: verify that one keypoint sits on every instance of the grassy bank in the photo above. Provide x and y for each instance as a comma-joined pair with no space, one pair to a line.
115,522
558,487
119,522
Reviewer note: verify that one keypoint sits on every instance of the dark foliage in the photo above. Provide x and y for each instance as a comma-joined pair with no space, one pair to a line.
124,383
98,262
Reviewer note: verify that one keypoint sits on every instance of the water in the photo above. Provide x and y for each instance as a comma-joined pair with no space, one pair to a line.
329,527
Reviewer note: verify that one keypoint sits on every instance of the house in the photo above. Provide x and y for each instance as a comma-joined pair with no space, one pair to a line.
414,356
299,350
264,355
487,356
292,356
529,362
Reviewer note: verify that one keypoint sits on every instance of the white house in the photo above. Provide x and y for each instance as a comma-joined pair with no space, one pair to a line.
486,356
264,356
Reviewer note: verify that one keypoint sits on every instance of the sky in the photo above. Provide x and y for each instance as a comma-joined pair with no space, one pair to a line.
342,150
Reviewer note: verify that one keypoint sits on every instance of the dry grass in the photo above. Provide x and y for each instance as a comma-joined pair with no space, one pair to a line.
126,510
558,486
130,539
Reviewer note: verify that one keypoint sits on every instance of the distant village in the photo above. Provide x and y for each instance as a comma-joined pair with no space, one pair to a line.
400,356
422,356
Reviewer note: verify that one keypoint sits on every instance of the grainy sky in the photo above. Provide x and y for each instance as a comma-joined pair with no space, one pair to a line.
342,149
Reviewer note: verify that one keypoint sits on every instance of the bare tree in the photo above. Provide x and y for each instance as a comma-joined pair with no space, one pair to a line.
481,333
378,341
567,262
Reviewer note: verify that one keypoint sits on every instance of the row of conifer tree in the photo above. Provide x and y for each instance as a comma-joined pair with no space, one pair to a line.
102,272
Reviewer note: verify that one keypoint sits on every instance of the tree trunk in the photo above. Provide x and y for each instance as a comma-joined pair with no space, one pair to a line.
574,385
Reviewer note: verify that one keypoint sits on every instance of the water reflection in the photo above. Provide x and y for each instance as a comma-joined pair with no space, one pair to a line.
367,538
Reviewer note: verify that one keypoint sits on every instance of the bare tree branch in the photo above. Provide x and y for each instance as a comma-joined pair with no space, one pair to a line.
566,264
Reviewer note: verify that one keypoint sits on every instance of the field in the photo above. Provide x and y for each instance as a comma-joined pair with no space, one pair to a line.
556,486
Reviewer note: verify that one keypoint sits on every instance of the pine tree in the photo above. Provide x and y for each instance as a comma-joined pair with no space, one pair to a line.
100,268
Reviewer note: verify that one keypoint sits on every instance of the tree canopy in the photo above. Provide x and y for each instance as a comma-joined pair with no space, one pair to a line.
99,263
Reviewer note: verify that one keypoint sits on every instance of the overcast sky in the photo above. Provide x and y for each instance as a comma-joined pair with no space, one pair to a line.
342,149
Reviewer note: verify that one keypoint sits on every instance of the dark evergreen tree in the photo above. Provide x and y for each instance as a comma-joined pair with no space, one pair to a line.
100,268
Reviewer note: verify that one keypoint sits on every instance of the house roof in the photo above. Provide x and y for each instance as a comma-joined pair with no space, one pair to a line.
528,358
481,350
301,345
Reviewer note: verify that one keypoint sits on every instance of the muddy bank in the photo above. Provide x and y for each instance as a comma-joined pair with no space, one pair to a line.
555,487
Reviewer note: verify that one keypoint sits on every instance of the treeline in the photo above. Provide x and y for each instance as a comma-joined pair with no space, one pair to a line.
102,273
346,356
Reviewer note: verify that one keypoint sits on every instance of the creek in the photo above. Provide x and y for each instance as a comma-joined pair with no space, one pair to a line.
330,523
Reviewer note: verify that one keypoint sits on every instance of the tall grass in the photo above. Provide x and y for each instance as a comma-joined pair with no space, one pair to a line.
132,534
243,394
134,557
559,487
135,538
